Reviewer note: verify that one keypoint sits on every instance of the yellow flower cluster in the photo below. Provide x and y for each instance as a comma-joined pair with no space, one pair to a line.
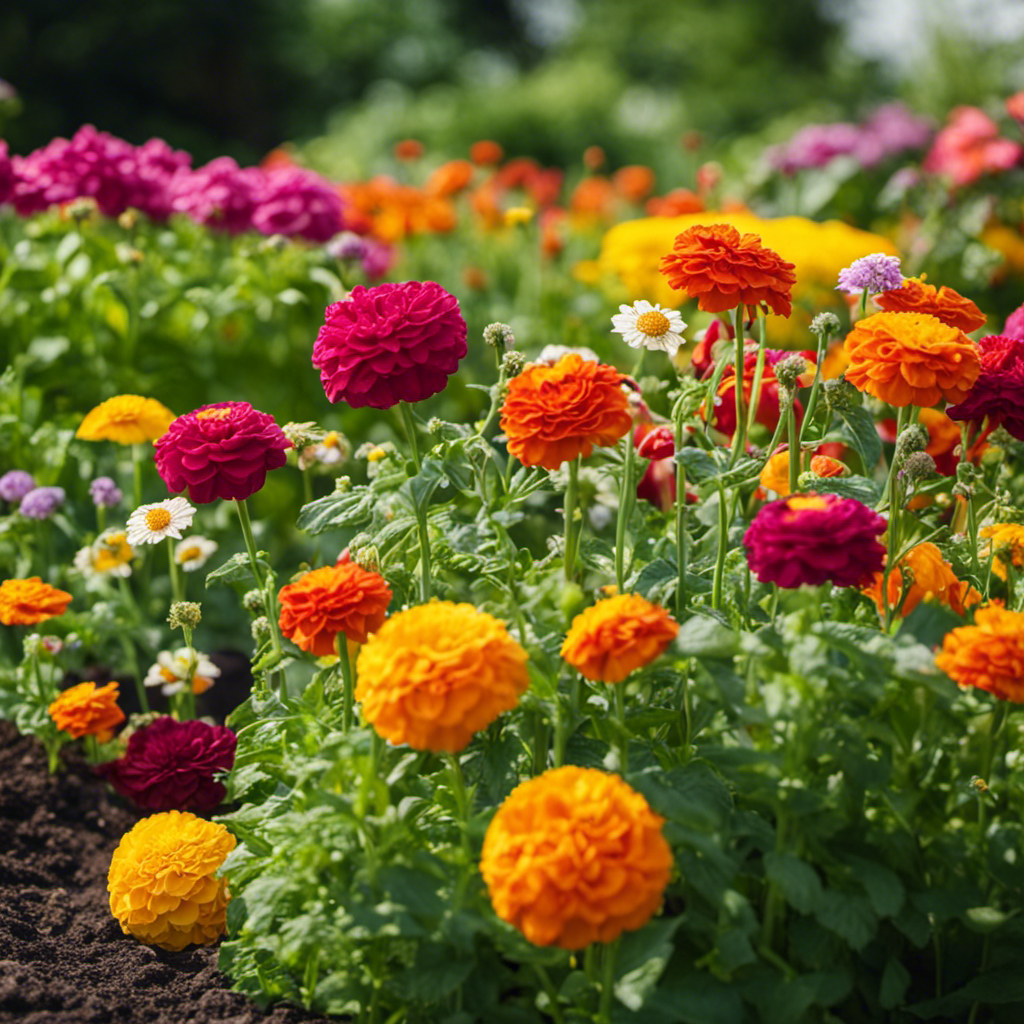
631,253
162,881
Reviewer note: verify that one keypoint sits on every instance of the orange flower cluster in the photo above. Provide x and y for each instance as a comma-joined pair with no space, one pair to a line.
615,637
88,710
437,673
988,655
391,211
933,579
126,419
721,268
775,475
575,856
1006,546
343,598
552,414
911,359
26,602
163,880
943,303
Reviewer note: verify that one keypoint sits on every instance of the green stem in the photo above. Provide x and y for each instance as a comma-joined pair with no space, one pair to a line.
619,691
681,552
740,436
188,702
863,304
571,489
551,992
812,402
687,713
137,473
177,591
424,542
458,783
972,519
723,543
370,775
609,954
795,452
410,432
626,495
348,683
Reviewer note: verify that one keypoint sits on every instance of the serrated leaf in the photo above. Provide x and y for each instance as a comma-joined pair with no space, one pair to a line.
236,569
699,465
866,491
859,429
344,508
797,880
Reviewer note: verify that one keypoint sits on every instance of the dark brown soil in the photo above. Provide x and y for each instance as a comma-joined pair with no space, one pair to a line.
63,957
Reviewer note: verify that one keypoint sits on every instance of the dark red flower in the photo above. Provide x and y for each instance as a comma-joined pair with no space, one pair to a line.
391,343
170,766
223,450
703,357
657,443
997,391
815,538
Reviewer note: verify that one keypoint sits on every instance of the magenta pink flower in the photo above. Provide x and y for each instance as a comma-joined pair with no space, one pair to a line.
220,194
223,450
6,174
171,766
814,539
1014,327
969,147
997,391
391,343
297,202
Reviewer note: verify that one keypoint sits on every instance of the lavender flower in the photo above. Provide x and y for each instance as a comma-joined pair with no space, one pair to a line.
105,493
41,502
877,272
346,246
15,484
377,259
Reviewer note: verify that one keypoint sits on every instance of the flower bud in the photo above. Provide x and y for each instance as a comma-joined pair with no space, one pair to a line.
303,434
184,615
367,558
499,336
253,601
342,484
839,394
788,371
260,629
825,323
512,364
32,645
917,466
914,438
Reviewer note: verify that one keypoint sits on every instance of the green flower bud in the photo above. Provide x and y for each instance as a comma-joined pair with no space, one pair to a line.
184,615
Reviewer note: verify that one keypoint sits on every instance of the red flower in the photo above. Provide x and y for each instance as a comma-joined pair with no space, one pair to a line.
969,146
997,391
657,443
223,450
170,766
388,344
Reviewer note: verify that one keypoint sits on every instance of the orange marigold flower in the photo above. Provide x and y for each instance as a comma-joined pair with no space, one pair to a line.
721,268
342,598
911,359
1006,547
932,579
26,602
408,149
437,673
825,465
88,710
575,856
943,303
552,414
634,182
126,419
450,178
163,880
486,152
989,654
615,637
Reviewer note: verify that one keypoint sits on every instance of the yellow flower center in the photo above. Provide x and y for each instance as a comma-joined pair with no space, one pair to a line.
214,414
807,502
653,324
187,554
158,519
331,440
116,551
376,455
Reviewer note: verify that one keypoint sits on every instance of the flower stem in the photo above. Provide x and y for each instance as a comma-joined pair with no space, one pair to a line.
723,543
177,592
571,490
625,510
812,402
410,431
619,691
348,682
739,439
681,551
424,539
458,784
795,452
972,519
137,473
609,955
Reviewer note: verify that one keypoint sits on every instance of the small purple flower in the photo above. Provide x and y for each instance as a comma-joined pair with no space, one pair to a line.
15,484
346,246
877,272
105,492
41,502
377,259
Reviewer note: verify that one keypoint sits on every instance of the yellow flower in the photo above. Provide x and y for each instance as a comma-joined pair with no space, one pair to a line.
126,419
1007,543
631,254
162,881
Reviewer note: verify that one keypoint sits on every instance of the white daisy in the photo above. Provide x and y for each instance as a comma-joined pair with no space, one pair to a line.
334,448
652,327
110,554
192,552
172,671
551,354
149,524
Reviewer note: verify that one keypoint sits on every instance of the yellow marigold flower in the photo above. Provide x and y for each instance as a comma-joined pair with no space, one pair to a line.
26,602
126,419
162,881
989,654
434,675
88,710
517,215
615,637
775,475
1007,544
575,856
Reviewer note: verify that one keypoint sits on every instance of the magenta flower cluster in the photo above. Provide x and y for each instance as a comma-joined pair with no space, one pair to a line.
890,130
158,181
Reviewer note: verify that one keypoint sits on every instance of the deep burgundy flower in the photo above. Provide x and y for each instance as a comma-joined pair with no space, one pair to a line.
815,538
997,391
297,202
657,443
6,173
170,766
391,343
223,450
220,194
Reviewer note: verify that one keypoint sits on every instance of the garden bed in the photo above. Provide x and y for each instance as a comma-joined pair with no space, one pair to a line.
62,955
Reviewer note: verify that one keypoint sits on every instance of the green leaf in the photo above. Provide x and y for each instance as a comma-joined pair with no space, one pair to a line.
237,569
866,491
985,919
895,979
859,429
884,889
796,879
1005,985
343,508
704,637
438,971
849,915
643,956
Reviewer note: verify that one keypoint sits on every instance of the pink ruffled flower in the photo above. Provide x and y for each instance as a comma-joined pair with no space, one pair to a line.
6,174
298,203
172,766
969,147
997,391
391,343
1014,326
813,539
219,194
223,450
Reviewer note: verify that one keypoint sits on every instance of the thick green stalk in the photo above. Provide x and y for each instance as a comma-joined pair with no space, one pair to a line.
723,543
137,474
739,439
177,591
626,496
795,453
410,432
619,692
347,680
571,533
609,954
681,552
